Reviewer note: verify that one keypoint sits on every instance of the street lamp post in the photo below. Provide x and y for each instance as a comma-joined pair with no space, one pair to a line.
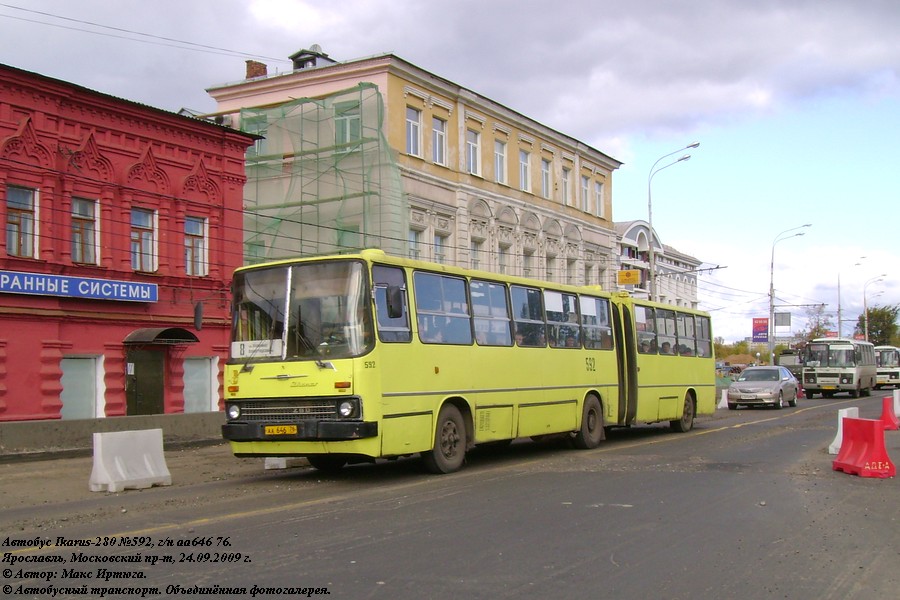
875,279
778,238
840,322
653,171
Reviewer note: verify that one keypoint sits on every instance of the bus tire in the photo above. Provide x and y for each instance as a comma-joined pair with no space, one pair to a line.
592,432
327,463
686,422
449,451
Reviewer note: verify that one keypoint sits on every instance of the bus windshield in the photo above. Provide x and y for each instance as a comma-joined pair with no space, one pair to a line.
827,355
888,357
301,312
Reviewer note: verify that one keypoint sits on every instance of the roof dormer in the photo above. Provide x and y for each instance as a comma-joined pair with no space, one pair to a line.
313,57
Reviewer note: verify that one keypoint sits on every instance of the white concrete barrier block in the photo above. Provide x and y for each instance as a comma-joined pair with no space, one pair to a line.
129,460
851,412
284,462
723,402
897,402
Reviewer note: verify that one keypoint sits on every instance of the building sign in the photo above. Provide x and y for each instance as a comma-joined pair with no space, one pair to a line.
761,329
629,277
40,284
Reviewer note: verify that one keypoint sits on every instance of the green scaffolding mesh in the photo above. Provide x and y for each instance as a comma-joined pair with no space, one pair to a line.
323,179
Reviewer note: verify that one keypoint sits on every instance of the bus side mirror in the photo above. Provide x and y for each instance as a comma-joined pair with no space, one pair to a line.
394,296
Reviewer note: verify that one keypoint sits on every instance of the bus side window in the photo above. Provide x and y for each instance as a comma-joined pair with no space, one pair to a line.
490,312
390,299
596,332
562,319
665,331
704,337
645,325
442,309
528,312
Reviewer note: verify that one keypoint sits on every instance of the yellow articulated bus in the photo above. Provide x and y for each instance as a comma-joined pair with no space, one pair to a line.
351,358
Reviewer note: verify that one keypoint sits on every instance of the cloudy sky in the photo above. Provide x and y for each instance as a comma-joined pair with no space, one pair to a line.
795,103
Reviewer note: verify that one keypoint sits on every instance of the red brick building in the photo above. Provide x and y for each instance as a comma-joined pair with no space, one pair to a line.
119,219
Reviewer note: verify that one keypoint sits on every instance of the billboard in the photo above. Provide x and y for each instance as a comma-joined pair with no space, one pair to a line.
761,329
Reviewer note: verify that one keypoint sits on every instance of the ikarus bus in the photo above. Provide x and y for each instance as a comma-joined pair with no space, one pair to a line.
351,358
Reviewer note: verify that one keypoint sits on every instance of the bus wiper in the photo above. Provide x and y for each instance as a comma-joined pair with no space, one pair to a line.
325,364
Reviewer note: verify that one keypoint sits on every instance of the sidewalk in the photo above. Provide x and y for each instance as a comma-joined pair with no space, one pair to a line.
60,483
75,437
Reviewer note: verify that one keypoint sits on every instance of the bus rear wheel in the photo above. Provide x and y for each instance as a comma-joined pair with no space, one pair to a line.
591,433
449,449
686,422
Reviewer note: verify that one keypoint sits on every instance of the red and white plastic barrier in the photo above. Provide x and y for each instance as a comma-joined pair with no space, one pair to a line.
889,415
853,413
862,450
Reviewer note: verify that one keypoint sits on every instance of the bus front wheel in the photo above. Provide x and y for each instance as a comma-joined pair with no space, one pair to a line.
687,416
449,449
591,433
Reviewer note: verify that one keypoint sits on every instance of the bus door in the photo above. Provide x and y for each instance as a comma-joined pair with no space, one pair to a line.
627,363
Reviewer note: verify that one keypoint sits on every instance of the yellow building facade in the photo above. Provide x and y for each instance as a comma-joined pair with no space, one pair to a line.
377,152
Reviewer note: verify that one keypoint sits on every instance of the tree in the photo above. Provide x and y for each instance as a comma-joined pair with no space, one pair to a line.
818,324
882,324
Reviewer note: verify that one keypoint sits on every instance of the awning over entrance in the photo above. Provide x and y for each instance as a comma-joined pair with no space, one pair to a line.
170,336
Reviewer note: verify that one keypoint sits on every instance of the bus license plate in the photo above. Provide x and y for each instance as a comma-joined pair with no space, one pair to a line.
281,430
829,387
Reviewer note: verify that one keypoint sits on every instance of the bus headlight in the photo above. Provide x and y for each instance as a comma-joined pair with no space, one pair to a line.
347,409
233,411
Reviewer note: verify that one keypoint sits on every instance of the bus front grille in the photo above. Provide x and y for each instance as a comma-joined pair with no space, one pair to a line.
288,411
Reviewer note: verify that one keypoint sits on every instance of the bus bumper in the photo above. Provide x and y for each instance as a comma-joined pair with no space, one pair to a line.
320,431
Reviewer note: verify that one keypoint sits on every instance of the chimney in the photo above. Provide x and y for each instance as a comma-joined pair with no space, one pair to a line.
256,69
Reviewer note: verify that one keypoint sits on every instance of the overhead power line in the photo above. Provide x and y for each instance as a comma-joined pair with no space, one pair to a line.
153,39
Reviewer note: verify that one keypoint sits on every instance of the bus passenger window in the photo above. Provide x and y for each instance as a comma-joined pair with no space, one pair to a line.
528,311
490,310
442,309
595,329
645,326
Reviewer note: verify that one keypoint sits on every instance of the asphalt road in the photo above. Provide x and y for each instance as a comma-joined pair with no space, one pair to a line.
745,506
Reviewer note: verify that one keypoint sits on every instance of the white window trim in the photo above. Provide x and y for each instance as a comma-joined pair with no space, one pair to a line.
36,220
96,220
439,142
500,172
473,153
525,171
154,246
546,178
585,193
204,258
414,132
598,198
